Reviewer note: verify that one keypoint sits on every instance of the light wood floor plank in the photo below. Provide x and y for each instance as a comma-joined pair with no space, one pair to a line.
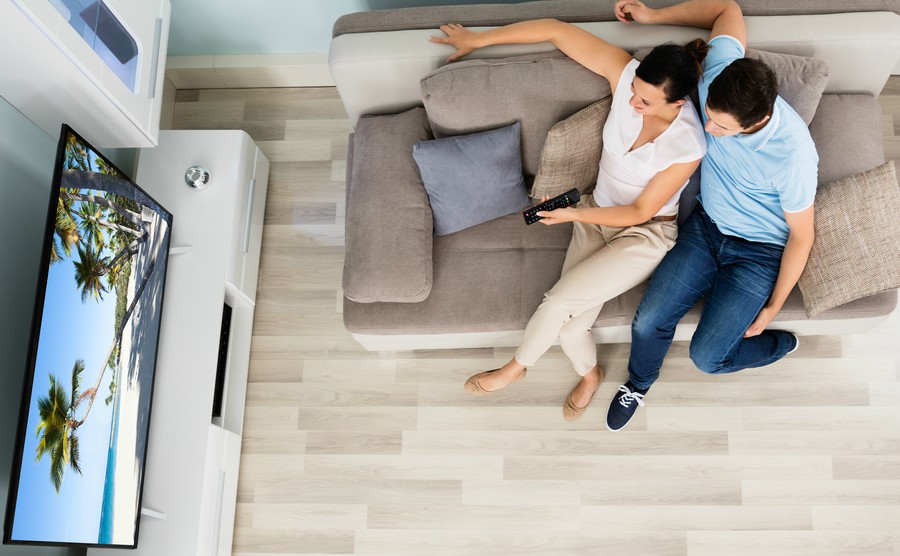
696,518
564,442
867,467
302,516
821,492
789,543
848,517
675,468
532,541
405,467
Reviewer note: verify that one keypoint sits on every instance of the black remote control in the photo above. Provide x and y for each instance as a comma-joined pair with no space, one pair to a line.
567,199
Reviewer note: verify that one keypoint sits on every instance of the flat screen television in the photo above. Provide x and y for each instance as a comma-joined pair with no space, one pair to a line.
78,470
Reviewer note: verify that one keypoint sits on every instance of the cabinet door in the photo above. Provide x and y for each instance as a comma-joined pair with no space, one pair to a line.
49,40
148,24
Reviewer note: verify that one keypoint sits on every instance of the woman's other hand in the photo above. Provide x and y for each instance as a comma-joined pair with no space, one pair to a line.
459,38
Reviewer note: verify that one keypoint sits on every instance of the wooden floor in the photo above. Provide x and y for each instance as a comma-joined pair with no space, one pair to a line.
350,452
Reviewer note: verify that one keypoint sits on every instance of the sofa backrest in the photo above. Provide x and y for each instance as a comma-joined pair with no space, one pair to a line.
378,58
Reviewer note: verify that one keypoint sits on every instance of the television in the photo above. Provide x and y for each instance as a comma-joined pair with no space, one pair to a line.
81,445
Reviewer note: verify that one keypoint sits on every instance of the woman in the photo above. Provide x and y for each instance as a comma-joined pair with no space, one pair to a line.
652,142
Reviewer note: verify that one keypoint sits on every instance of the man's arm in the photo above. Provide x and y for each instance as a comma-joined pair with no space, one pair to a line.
723,17
793,261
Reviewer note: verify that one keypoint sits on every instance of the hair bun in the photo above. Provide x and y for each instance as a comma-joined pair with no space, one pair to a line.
698,48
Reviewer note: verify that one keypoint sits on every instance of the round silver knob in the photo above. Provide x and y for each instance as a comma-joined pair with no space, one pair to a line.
196,176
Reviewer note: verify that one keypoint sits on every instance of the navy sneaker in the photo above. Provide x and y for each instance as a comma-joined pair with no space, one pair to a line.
623,406
796,343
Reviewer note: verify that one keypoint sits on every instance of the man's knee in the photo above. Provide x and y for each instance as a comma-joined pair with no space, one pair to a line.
706,360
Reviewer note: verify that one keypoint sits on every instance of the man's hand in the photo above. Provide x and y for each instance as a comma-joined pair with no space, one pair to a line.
628,11
763,319
459,38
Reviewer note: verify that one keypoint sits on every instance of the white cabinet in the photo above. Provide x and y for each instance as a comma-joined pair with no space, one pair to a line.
51,73
193,458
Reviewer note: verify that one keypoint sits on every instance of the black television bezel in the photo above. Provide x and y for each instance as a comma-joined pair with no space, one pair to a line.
34,341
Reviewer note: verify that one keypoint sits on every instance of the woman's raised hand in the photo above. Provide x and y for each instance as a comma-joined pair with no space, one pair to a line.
628,11
459,38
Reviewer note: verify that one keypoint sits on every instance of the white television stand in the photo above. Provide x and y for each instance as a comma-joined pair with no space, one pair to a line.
191,472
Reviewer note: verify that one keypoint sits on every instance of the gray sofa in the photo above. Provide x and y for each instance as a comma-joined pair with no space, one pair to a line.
406,289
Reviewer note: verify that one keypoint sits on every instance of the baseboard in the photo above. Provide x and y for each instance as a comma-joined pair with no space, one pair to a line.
249,71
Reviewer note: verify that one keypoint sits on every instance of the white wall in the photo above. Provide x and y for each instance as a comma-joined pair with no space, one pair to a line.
229,27
26,172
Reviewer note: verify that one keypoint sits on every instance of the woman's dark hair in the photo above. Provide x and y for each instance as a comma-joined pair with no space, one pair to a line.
745,90
675,68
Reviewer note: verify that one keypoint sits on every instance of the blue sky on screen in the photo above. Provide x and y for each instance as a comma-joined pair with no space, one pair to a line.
70,330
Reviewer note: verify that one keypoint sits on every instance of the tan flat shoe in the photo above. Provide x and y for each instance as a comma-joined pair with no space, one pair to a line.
572,411
473,384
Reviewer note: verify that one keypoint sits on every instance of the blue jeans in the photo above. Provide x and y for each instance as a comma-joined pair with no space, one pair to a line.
736,276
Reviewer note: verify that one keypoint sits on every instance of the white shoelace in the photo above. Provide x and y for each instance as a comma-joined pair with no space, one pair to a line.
630,396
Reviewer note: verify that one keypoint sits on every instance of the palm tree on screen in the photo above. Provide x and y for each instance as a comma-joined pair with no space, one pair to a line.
89,270
65,232
57,426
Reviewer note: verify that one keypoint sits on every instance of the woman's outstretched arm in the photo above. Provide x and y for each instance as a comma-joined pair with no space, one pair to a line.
585,48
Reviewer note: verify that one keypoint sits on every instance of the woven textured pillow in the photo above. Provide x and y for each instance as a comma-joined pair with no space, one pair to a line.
856,252
571,154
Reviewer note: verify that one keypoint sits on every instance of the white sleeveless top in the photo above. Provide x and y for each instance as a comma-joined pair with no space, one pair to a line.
624,175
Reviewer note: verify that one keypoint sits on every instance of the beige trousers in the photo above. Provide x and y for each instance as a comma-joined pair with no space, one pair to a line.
601,263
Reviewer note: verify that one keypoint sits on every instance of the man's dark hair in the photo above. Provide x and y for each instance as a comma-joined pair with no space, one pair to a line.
745,90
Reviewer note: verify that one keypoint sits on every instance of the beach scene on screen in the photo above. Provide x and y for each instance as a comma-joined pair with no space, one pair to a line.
89,404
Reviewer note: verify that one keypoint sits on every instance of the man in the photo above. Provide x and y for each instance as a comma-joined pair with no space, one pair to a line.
747,242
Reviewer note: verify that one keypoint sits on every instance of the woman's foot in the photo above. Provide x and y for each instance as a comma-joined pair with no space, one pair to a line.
497,379
579,398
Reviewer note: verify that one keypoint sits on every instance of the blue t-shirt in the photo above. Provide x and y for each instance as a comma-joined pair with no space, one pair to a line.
748,181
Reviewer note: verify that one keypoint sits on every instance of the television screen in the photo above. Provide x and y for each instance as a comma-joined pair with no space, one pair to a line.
82,439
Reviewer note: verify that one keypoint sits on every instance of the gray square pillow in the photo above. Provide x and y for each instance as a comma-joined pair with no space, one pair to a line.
571,154
473,178
857,243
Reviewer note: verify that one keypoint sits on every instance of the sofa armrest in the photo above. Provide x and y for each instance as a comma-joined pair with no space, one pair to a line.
389,225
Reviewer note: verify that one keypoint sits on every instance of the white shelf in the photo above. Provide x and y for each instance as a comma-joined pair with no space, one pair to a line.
192,459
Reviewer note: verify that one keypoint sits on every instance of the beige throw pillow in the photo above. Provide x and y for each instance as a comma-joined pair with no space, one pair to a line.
571,154
856,252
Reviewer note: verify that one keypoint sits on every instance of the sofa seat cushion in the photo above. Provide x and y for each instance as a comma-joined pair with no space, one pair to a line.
538,90
388,234
507,233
